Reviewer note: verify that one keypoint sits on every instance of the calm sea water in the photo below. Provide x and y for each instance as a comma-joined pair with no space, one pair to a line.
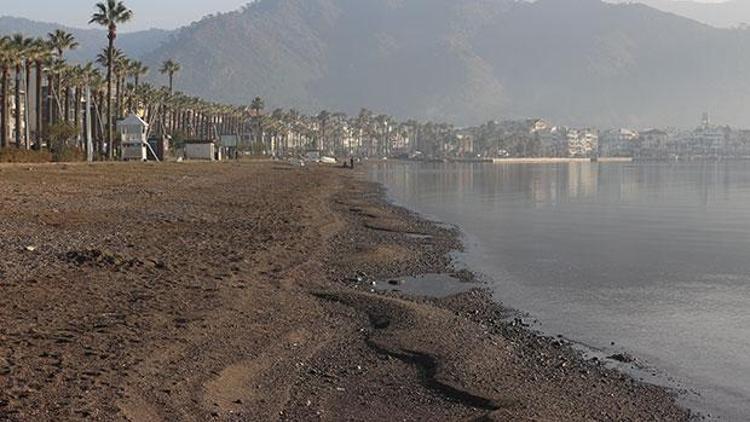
654,257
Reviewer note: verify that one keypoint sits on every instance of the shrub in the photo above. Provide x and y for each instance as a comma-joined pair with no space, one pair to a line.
62,143
15,155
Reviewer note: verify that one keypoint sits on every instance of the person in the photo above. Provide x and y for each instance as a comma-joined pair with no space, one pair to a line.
351,163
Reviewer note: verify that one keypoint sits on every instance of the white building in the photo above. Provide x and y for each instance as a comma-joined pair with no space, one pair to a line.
200,150
133,143
582,142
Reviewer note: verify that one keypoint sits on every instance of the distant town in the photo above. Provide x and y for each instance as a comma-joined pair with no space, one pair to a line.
540,138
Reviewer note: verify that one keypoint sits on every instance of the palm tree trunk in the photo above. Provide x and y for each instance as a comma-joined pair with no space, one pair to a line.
38,104
51,104
77,114
5,115
19,78
27,105
110,128
66,107
120,98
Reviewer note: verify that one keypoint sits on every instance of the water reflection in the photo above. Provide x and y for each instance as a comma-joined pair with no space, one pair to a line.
652,255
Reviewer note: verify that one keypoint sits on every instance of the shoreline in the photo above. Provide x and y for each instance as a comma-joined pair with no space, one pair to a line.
241,291
479,306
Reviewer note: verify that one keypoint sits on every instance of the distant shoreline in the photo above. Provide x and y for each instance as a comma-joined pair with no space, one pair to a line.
531,160
561,160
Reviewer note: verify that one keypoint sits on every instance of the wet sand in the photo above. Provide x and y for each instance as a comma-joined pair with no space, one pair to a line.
243,292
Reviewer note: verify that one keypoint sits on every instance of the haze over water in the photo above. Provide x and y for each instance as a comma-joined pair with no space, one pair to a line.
654,257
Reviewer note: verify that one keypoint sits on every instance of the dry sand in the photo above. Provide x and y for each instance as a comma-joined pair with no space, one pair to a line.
199,292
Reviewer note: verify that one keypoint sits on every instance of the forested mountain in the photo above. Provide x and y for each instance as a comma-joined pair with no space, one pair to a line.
574,61
726,14
578,62
92,40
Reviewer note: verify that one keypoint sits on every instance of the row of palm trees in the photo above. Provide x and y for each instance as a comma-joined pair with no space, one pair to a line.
112,86
289,133
116,93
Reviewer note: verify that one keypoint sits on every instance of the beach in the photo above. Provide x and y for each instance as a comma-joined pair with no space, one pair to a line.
244,291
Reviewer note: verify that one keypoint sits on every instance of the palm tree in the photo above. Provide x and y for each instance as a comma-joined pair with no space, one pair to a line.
109,15
170,67
121,68
61,41
257,107
41,54
21,46
137,71
56,71
323,118
81,78
6,59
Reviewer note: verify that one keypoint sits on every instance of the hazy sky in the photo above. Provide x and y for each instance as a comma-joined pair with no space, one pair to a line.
148,13
166,14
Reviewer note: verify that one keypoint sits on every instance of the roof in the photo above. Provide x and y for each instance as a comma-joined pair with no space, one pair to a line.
199,141
655,132
132,120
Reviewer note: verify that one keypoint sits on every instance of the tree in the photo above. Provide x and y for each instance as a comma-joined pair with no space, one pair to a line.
170,67
322,141
110,15
6,58
61,41
137,71
41,54
21,47
257,107
57,70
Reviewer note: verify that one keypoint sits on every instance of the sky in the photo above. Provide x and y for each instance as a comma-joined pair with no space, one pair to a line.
166,14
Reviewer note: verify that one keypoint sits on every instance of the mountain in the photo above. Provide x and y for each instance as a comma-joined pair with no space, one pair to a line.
576,62
726,14
92,41
573,61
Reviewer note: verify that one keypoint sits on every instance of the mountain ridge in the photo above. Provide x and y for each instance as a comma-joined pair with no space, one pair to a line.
468,61
92,40
723,14
576,62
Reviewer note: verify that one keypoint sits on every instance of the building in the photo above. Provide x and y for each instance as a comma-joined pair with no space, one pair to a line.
582,143
619,143
201,150
654,143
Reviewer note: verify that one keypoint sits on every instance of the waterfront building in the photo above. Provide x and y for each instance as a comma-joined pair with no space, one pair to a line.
654,144
582,143
618,143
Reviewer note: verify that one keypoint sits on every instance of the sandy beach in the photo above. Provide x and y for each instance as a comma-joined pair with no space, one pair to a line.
242,292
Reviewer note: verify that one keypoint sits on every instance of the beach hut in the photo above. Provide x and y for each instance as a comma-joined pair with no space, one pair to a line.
133,132
200,150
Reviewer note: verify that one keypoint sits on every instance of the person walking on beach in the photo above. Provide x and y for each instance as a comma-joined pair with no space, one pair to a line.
351,163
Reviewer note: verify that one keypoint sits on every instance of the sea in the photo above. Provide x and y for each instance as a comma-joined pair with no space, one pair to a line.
650,259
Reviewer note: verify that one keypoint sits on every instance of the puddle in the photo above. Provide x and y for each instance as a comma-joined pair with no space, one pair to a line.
430,285
419,236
